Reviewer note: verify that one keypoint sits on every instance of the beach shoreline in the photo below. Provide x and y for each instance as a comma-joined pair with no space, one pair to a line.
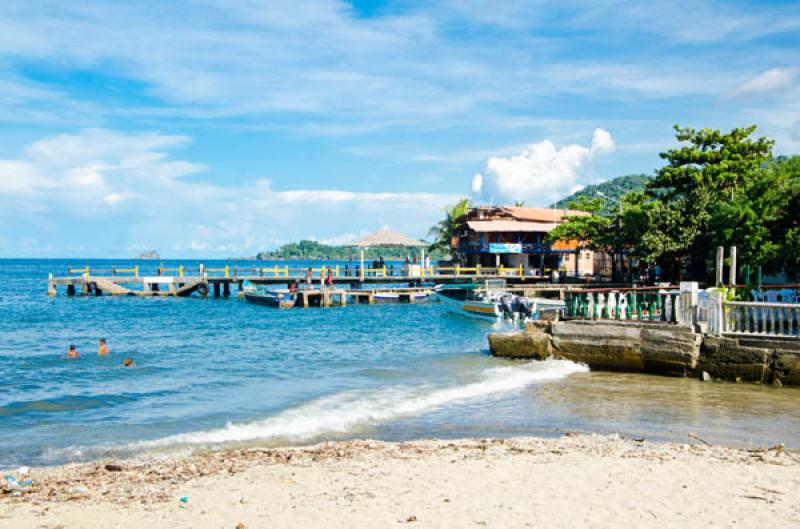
572,481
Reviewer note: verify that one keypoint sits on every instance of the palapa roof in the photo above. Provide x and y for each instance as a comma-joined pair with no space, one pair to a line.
387,239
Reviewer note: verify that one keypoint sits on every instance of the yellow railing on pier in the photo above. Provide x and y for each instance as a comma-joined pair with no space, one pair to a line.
285,271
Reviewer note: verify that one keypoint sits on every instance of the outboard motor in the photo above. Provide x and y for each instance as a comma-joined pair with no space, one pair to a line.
525,307
507,306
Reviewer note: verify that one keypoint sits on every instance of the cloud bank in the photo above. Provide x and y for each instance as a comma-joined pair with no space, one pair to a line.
74,187
540,171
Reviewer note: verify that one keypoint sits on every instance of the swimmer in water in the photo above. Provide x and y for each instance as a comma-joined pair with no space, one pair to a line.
102,350
73,352
128,362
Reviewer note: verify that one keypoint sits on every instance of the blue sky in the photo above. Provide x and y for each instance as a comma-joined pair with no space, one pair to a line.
221,128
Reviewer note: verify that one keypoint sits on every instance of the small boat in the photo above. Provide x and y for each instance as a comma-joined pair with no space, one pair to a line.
395,296
280,300
492,302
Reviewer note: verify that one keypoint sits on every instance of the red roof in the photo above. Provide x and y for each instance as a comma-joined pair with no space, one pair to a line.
540,215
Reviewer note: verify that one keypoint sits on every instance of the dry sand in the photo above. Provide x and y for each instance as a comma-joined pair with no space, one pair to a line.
574,481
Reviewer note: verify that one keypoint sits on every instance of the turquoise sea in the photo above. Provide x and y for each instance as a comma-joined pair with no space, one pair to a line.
214,372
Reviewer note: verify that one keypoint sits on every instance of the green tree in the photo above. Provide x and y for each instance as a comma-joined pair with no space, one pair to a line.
616,231
712,169
787,225
592,231
450,226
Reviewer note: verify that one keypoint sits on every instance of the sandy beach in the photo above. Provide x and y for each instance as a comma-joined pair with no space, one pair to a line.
574,481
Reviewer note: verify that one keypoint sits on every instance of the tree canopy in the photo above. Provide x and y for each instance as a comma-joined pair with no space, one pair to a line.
716,189
703,181
447,228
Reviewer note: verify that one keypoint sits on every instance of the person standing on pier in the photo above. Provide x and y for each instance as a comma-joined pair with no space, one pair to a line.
73,352
309,278
102,350
330,277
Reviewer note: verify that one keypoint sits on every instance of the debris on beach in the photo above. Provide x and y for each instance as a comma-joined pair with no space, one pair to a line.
150,482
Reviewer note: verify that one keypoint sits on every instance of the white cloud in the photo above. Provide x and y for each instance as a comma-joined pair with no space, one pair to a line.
477,183
770,81
602,142
542,169
112,199
678,20
20,178
338,73
94,165
66,187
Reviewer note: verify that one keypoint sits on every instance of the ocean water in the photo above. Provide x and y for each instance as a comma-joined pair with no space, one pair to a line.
217,372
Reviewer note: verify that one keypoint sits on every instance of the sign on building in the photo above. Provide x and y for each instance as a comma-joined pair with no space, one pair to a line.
504,247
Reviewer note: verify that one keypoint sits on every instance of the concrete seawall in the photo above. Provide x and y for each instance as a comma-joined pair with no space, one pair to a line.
643,347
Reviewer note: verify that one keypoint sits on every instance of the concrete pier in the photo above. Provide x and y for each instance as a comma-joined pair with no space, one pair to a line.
640,347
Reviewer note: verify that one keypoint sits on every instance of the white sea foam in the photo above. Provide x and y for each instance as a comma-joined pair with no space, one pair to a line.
342,412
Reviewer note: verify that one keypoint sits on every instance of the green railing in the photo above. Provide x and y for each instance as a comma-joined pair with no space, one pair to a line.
638,304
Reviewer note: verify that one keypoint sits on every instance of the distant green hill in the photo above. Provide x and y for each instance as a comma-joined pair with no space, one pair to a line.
313,250
613,189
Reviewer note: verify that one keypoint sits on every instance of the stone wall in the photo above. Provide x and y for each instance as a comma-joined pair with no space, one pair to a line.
655,348
609,347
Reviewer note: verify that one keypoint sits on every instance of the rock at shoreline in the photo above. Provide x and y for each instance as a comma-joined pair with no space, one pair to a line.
151,255
532,344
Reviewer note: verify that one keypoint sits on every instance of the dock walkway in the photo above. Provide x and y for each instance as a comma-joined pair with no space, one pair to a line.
351,284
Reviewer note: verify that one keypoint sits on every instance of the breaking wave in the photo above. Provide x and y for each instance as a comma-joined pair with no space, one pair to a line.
346,411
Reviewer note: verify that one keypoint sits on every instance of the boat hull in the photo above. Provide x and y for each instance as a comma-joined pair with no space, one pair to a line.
271,299
394,296
471,308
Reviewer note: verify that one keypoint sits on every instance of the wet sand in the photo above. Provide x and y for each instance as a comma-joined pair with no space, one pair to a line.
573,481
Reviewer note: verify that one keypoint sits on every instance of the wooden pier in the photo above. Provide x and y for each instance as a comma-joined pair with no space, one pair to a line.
359,286
340,297
224,287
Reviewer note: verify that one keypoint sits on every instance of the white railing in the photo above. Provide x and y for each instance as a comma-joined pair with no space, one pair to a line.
770,319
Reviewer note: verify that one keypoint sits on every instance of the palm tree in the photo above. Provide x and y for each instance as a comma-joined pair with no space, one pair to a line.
449,227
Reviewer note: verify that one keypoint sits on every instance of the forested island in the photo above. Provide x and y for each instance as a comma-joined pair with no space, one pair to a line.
314,250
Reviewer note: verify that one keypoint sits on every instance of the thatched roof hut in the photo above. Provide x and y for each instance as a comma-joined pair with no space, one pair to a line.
387,239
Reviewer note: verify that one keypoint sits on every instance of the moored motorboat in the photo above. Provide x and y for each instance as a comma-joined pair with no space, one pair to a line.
280,300
395,296
490,302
